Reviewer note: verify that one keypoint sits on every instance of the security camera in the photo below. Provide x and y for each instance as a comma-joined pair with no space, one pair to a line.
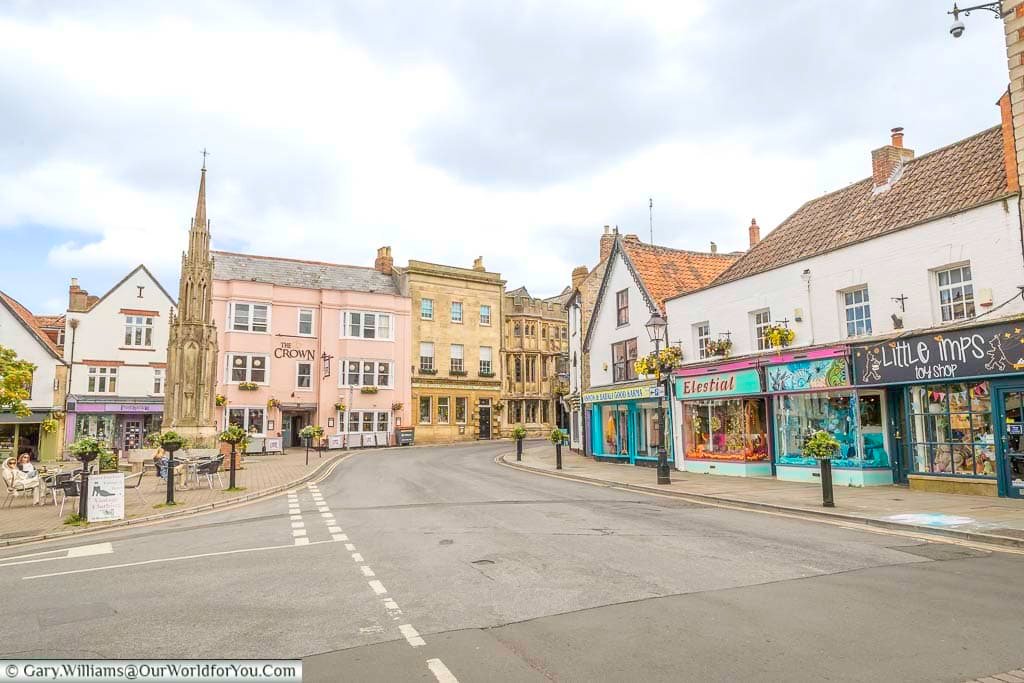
957,29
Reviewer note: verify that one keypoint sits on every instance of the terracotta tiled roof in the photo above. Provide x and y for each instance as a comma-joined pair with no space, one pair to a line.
955,178
669,272
50,320
31,323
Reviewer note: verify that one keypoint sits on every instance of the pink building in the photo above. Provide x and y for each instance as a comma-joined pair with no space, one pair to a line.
302,342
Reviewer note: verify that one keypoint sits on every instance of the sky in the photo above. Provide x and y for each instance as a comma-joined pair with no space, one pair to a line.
452,129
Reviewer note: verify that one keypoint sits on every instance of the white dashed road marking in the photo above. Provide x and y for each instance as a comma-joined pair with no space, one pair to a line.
411,635
349,547
367,571
357,557
339,537
334,529
440,671
378,587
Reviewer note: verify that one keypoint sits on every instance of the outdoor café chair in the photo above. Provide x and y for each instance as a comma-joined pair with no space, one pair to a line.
15,491
209,469
71,489
134,481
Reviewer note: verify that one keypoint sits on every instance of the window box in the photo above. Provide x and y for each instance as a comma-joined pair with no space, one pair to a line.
248,386
457,373
487,374
368,390
428,371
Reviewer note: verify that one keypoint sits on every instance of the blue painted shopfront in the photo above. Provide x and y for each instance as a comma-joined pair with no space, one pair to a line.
813,393
624,424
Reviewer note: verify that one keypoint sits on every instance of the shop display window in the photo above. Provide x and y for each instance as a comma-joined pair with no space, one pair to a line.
614,430
648,434
855,422
951,430
6,440
728,429
97,426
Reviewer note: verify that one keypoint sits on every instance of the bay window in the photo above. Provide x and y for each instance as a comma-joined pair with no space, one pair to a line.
365,373
245,316
252,420
247,367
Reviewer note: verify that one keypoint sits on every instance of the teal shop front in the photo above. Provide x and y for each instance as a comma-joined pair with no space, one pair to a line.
812,392
724,421
625,424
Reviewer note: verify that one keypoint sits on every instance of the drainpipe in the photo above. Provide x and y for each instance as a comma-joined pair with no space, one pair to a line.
806,276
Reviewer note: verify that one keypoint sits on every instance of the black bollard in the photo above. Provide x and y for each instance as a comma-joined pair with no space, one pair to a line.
519,449
827,500
232,477
558,455
170,448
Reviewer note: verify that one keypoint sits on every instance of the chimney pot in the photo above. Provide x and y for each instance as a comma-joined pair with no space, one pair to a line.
754,232
714,248
478,263
885,160
607,240
897,136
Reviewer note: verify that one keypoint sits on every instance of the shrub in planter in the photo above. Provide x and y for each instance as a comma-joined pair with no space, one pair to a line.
88,449
173,439
108,462
556,436
312,432
234,435
719,347
519,432
248,386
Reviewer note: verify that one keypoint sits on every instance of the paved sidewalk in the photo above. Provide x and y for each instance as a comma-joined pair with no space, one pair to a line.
993,520
259,473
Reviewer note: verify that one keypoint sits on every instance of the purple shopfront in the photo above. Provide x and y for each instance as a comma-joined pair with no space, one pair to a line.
122,425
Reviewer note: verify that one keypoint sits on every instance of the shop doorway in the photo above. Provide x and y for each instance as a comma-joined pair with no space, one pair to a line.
1010,423
901,464
485,418
291,425
132,434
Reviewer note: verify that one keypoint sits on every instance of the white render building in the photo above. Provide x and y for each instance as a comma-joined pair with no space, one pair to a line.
873,280
116,347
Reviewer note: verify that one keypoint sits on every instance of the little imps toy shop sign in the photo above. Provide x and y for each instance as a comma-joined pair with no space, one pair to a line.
949,354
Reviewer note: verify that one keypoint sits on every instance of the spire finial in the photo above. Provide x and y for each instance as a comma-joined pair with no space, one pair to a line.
205,154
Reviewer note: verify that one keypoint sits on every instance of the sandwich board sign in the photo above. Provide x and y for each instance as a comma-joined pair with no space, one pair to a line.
105,501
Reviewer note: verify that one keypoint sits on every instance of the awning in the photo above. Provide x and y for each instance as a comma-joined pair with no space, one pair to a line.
36,417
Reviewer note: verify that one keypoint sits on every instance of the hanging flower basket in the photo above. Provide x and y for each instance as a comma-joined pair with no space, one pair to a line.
657,364
339,406
49,425
777,336
273,403
396,406
248,386
719,347
221,400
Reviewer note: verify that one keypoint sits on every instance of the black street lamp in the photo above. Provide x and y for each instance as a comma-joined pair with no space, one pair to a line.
656,328
957,29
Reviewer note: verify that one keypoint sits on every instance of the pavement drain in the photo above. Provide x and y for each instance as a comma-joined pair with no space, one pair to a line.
445,541
482,562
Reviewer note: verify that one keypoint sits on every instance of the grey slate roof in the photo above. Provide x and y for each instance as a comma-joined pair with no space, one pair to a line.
294,273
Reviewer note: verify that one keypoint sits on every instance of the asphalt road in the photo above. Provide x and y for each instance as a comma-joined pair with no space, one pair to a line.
437,564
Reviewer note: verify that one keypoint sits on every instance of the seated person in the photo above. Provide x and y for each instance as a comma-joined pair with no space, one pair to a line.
20,481
160,462
25,464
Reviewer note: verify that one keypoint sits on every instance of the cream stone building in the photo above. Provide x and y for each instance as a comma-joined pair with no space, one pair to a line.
535,344
456,348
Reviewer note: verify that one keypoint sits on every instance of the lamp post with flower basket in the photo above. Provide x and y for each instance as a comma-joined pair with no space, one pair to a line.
519,433
822,446
660,364
233,435
310,432
86,450
170,442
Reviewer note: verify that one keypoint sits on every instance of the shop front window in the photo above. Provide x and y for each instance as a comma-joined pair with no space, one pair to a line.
951,429
97,426
861,442
6,440
726,429
614,430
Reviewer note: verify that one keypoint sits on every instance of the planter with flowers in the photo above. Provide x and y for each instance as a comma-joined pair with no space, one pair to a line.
396,406
248,386
340,407
719,347
368,390
49,425
778,336
221,400
822,446
273,402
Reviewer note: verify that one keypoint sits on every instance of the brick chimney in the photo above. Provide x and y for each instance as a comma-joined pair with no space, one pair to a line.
1009,152
607,240
579,274
754,231
885,160
78,298
384,263
478,264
